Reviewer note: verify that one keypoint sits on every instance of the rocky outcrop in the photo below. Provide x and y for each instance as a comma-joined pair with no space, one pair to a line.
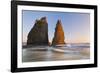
39,33
59,34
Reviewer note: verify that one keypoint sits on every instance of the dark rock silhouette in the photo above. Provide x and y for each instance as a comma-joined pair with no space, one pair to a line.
59,34
39,33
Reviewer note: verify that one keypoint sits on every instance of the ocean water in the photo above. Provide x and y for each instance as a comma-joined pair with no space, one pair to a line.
73,51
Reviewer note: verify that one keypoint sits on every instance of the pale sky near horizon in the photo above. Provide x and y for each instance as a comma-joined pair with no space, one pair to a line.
76,26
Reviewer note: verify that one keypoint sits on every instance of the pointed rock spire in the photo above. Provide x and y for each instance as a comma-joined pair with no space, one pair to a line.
59,34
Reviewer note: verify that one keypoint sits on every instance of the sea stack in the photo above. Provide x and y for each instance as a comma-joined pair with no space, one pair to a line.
58,35
38,35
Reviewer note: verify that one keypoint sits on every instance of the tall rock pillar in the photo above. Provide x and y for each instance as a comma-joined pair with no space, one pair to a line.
38,35
59,34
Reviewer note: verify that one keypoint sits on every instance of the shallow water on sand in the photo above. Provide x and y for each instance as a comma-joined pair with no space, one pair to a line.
46,53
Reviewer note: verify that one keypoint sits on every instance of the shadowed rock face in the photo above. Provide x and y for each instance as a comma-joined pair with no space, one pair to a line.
59,34
39,33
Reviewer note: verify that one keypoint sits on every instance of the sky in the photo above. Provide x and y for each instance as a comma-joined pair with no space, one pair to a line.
76,26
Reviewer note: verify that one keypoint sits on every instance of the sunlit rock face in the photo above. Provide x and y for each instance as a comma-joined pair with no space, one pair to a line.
59,34
38,35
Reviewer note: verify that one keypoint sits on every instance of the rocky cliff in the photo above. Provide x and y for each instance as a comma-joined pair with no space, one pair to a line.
38,35
59,34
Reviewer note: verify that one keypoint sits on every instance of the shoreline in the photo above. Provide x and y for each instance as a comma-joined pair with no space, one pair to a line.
50,53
